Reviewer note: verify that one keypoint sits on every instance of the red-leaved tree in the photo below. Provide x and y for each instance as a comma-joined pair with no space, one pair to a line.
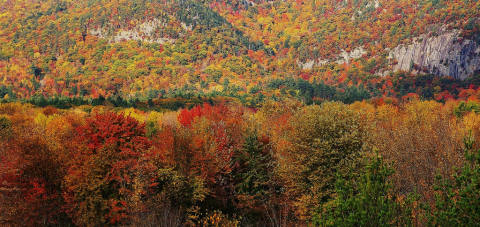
100,180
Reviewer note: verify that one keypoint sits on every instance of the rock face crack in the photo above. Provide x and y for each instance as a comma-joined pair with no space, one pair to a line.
445,55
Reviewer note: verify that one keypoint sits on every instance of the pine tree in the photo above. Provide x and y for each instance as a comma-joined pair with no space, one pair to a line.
458,198
364,200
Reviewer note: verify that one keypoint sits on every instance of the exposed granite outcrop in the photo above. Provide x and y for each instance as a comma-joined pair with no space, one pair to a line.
343,57
346,57
447,54
143,32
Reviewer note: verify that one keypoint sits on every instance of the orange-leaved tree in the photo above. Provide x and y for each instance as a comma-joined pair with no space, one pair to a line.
99,185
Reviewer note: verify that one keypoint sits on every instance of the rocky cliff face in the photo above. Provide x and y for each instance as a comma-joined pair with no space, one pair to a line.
343,57
444,55
142,32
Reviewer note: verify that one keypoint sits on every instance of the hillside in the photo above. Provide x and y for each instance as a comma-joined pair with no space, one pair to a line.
250,50
239,113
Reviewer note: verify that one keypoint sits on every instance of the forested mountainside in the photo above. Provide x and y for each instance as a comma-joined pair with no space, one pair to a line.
239,113
314,50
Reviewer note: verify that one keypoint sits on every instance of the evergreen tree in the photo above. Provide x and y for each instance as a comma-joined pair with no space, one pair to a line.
458,198
364,200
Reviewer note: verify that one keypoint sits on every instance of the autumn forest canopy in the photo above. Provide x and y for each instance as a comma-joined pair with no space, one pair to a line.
240,113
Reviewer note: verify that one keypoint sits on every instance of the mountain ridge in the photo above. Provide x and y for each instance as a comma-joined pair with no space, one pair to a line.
153,49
